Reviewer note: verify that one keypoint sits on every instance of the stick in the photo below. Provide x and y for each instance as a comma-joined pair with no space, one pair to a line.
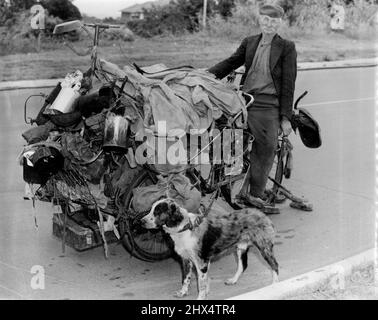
64,228
34,209
101,226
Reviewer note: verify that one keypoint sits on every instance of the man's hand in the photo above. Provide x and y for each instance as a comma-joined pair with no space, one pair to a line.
285,127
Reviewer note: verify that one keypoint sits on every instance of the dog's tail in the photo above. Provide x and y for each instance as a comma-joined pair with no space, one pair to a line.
263,238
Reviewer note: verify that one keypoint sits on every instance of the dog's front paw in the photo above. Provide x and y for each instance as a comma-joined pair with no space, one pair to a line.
230,282
181,293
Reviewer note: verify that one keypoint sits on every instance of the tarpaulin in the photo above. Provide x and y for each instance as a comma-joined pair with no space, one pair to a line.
183,99
176,186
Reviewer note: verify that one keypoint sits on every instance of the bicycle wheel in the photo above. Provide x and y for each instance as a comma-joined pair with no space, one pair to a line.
144,244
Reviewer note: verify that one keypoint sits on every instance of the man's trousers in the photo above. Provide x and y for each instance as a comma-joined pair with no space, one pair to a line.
263,123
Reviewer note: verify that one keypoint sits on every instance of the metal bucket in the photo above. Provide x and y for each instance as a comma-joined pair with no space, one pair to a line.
115,135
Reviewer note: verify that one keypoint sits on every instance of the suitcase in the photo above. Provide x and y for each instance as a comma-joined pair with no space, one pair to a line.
81,234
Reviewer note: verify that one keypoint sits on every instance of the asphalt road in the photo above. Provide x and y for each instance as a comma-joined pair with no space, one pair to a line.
338,178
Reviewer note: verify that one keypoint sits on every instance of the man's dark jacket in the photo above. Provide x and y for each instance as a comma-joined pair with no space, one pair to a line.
283,67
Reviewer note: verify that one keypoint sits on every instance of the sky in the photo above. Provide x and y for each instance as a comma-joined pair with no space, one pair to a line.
104,8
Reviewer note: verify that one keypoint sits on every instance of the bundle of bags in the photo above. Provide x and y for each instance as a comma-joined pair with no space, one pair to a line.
78,122
69,133
183,98
175,186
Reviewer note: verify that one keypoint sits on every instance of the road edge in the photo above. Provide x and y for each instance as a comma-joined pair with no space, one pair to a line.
311,280
303,66
353,63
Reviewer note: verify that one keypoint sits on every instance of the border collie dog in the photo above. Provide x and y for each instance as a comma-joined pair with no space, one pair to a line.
198,240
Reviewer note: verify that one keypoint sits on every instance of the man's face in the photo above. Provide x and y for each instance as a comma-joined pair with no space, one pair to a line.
269,25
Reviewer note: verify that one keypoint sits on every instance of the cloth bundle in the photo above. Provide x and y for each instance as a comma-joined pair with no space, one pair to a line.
177,187
182,99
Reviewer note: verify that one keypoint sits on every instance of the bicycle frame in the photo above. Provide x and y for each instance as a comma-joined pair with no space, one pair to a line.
283,151
66,27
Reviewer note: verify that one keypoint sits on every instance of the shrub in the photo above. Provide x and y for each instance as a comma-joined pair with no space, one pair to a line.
124,34
304,18
17,36
63,9
243,22
162,20
20,5
225,7
359,20
307,18
177,17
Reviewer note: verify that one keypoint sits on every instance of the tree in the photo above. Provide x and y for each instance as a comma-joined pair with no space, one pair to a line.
288,6
192,9
19,5
63,9
9,9
224,7
110,20
175,18
160,20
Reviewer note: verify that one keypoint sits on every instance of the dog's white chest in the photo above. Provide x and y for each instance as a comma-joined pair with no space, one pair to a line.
185,244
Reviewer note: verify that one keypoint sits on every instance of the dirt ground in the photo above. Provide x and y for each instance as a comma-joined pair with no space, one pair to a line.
360,285
197,51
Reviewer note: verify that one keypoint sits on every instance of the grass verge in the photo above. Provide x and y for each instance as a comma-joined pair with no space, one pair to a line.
359,285
200,51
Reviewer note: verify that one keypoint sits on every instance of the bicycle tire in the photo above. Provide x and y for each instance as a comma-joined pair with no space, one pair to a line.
226,193
134,245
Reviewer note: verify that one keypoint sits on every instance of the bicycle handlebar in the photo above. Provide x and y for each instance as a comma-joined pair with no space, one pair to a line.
102,26
250,101
299,99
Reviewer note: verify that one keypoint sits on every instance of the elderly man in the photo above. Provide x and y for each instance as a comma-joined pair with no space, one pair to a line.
270,72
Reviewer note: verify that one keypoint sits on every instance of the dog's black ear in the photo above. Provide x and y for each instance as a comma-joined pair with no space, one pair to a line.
174,216
161,213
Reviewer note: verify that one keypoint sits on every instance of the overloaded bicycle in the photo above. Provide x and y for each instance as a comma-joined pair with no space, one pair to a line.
57,178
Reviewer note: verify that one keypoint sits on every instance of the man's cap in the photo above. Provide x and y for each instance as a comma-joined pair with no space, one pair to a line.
271,10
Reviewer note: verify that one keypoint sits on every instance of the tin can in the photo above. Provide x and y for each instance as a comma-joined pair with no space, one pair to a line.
64,102
115,135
